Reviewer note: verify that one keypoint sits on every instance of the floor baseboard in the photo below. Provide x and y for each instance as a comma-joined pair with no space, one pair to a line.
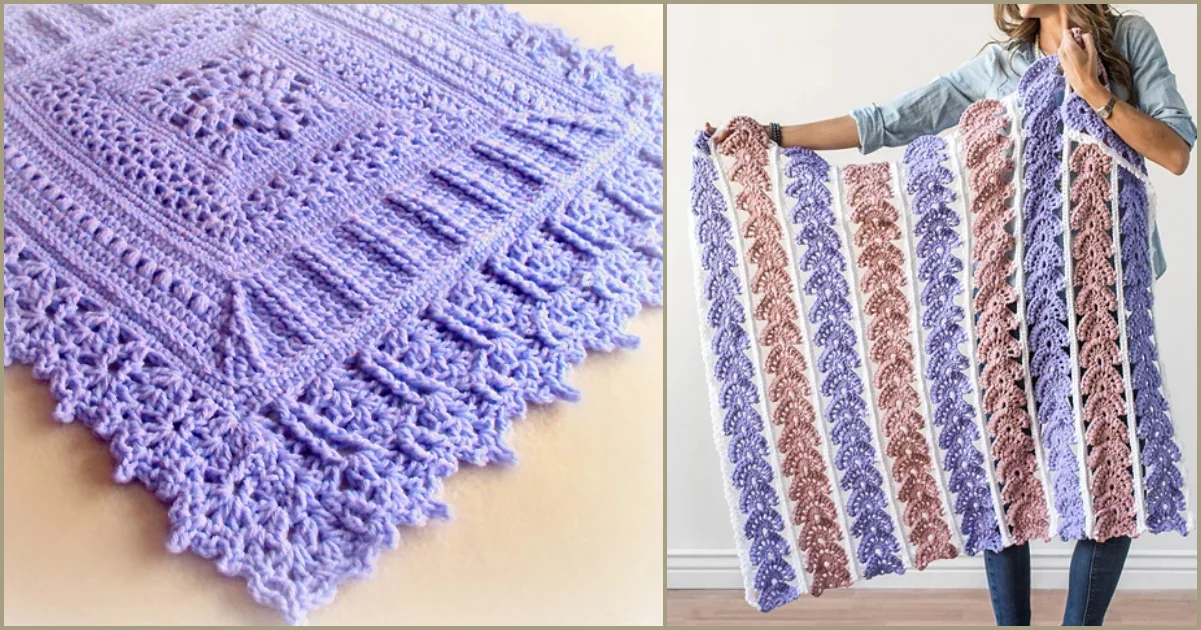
918,608
1149,570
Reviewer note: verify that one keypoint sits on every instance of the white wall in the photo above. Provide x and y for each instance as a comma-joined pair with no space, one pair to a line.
798,63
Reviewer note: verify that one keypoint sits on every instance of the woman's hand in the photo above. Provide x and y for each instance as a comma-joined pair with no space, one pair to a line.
720,136
1153,138
1081,64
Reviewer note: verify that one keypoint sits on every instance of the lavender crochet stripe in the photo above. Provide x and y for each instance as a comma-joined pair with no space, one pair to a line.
1160,453
296,265
937,230
1163,482
763,524
1041,90
825,262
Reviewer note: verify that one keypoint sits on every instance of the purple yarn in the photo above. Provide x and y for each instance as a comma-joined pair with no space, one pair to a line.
1079,115
947,367
1163,483
831,314
739,393
298,264
1041,90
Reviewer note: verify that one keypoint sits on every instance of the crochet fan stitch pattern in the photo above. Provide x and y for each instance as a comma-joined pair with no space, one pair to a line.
297,264
955,351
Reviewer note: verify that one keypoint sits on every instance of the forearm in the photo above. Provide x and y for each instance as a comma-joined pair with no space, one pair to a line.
823,135
1152,138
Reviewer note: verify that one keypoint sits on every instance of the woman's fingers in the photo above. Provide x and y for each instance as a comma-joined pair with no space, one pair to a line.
1068,41
1090,47
718,136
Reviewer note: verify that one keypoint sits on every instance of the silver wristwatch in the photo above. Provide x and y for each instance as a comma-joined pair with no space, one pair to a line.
1107,109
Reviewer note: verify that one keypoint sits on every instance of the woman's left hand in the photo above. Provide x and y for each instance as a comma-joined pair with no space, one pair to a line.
1081,65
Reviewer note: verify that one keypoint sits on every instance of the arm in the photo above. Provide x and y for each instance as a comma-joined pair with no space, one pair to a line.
928,109
1155,139
829,134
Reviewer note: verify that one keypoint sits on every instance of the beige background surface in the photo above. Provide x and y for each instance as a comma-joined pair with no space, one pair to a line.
572,534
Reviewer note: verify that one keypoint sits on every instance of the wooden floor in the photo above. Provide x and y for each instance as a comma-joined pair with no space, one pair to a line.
918,608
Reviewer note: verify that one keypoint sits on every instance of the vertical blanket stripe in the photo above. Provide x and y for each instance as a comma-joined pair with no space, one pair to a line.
1166,501
1040,454
776,315
909,251
1162,478
1046,308
1132,430
824,260
1101,384
890,349
1002,374
736,379
828,572
947,377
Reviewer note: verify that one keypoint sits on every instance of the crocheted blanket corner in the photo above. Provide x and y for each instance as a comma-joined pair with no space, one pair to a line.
297,264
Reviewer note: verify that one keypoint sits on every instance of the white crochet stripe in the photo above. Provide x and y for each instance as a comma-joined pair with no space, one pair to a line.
720,441
919,355
816,399
1041,471
1127,380
957,166
869,383
765,405
1073,351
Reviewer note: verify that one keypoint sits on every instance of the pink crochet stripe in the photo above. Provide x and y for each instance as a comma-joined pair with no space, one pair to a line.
867,193
789,390
998,350
1101,384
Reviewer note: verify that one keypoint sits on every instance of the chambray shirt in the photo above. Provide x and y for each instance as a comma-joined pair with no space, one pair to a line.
938,105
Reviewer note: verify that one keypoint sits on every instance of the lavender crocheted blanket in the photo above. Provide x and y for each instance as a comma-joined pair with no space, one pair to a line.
298,264
947,354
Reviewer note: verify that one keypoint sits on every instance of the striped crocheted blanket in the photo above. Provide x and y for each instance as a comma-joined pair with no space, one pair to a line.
297,264
914,360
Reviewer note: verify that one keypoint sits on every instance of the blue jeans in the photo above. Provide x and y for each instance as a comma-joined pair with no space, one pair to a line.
1092,580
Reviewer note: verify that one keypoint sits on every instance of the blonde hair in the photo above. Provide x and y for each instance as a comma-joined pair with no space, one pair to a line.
1098,19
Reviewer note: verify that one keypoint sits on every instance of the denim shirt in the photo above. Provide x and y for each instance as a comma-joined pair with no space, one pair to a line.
938,105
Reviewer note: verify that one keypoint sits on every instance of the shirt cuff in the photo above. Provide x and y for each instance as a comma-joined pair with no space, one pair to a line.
870,123
1184,126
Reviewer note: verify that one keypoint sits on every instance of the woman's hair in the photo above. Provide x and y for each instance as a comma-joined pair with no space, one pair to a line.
1098,19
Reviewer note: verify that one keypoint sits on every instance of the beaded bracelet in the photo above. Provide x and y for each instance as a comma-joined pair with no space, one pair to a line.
775,134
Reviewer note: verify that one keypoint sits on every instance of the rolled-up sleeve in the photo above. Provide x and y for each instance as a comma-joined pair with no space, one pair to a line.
929,109
1154,82
1158,97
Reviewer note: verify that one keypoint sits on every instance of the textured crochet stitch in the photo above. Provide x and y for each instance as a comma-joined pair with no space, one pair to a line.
297,264
955,350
